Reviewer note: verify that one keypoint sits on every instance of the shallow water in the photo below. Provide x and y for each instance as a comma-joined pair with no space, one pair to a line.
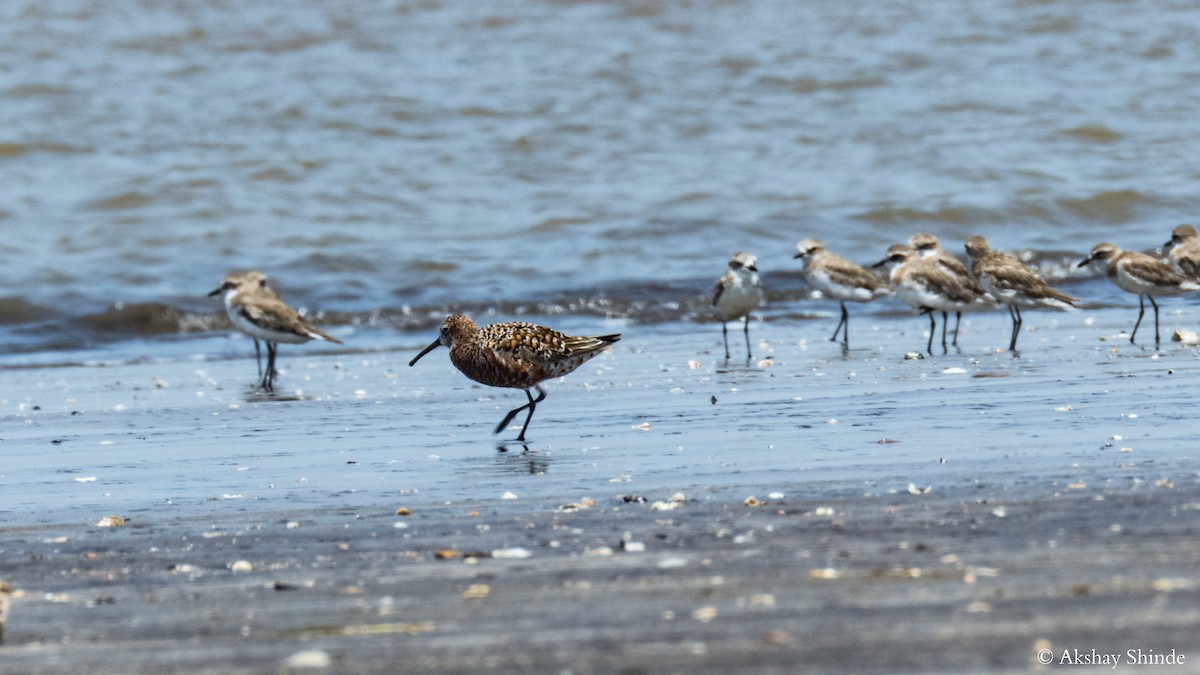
362,428
385,162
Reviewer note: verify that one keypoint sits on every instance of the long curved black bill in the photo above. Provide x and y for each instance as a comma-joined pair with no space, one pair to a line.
436,343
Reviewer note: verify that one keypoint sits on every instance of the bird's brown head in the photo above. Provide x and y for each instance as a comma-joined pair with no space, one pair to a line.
807,247
455,327
240,281
976,246
1180,234
1101,253
923,241
897,254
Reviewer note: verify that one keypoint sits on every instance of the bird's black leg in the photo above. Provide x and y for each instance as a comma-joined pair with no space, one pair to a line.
532,405
1016,331
268,381
957,320
725,337
1152,302
932,330
746,331
846,323
1141,311
258,357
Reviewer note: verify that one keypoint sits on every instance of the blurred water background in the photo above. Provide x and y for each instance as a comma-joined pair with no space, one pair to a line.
387,162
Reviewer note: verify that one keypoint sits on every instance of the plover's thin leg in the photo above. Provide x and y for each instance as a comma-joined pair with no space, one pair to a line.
268,381
1152,302
957,320
746,331
725,337
1015,313
258,357
845,322
1141,311
932,330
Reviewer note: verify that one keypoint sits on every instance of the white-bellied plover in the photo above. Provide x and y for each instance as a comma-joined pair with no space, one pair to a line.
1185,251
929,248
1142,275
255,310
839,279
1011,282
737,293
924,286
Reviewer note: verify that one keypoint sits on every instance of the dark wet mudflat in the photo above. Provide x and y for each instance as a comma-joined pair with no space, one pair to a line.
955,512
971,576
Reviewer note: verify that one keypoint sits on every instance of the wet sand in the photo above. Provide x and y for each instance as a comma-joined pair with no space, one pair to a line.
1061,510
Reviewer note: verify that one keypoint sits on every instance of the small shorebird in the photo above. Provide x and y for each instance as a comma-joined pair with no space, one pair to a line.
736,294
1142,275
1185,251
517,355
1011,282
924,286
255,310
838,278
929,248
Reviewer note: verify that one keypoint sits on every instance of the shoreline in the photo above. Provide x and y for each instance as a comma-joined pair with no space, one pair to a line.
1063,492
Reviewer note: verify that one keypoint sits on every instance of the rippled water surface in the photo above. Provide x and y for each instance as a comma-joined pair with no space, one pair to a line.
385,161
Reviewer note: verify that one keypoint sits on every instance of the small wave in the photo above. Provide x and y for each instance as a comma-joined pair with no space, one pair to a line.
123,201
9,149
150,319
327,262
14,310
1110,206
806,84
1092,133
954,215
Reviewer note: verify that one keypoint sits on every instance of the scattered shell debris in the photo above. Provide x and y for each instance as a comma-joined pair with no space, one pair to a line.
705,614
241,566
110,521
86,479
403,511
309,658
1187,337
577,506
508,495
476,592
954,371
753,501
515,552
914,490
1064,408
824,573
